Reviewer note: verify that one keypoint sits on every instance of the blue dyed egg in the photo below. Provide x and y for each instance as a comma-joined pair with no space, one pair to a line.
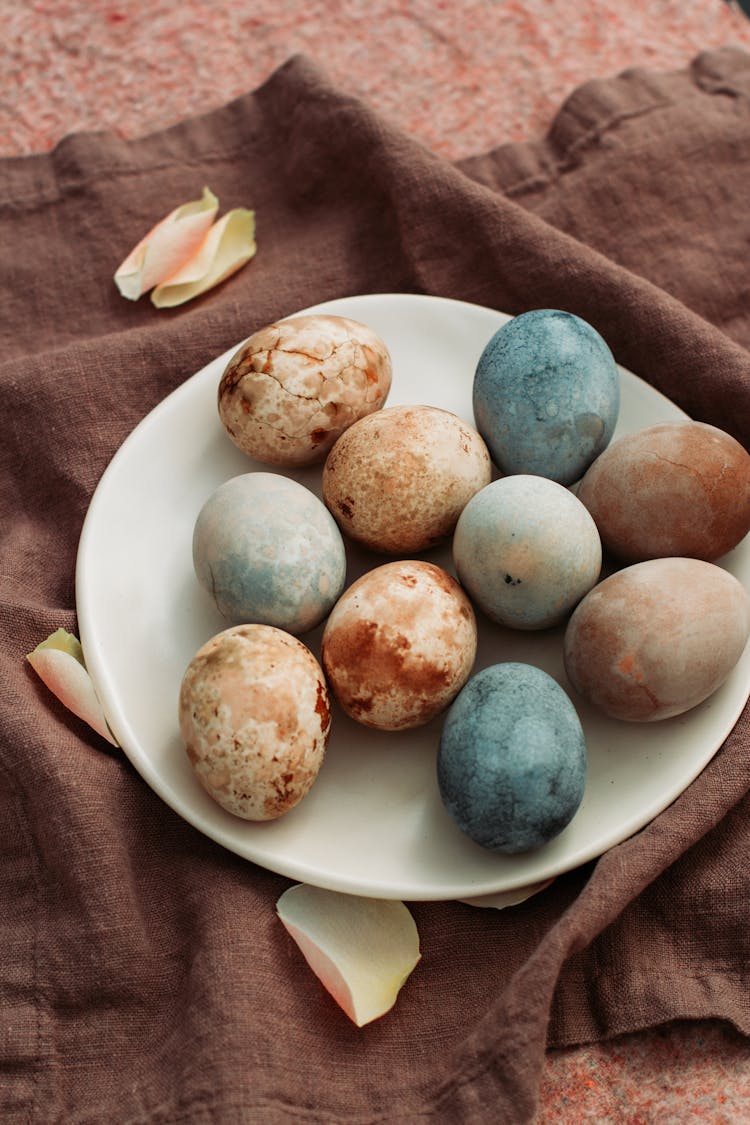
269,552
512,758
526,551
546,395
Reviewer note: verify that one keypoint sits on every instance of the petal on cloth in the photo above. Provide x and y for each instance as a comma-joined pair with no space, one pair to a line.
58,662
167,246
361,949
503,899
229,245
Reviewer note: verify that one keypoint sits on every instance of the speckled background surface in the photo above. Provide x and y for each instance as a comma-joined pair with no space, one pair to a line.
461,76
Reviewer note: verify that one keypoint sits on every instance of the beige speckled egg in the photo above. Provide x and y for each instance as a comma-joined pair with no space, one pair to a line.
677,488
255,717
296,385
397,481
399,645
657,638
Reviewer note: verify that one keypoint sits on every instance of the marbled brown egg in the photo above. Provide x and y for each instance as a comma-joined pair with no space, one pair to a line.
657,638
397,481
399,645
254,714
676,488
296,385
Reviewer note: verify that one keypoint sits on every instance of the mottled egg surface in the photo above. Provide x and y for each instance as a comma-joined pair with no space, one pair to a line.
399,644
268,551
546,395
512,758
295,386
254,715
677,488
526,550
657,638
398,480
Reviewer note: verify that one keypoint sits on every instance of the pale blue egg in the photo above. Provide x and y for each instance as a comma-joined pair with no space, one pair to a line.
512,758
546,395
526,551
269,552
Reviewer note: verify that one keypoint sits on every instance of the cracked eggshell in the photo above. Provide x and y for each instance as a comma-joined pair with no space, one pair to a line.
399,644
677,488
255,717
657,638
398,480
546,395
526,550
268,551
296,385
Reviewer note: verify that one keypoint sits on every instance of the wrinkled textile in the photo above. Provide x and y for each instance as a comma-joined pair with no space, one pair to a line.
144,976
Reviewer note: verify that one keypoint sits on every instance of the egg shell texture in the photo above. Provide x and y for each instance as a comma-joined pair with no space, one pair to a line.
295,386
677,488
399,644
254,713
546,395
398,480
512,758
268,551
657,638
526,551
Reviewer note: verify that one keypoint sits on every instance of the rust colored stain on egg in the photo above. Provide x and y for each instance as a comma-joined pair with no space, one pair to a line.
322,708
397,481
346,507
655,639
399,645
386,658
674,489
296,385
254,717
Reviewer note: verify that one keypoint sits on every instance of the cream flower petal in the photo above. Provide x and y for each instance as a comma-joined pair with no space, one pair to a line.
361,949
167,246
503,899
58,662
229,245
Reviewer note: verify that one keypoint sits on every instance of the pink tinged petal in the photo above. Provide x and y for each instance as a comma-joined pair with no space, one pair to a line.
58,662
167,246
361,949
229,245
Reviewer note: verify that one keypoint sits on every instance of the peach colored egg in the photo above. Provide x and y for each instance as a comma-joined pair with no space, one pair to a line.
296,385
255,717
657,638
399,645
397,481
677,488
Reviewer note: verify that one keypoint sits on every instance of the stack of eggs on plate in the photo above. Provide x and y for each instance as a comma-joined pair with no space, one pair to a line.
399,644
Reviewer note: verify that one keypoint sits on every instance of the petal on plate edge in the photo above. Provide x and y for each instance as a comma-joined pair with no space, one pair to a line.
167,246
58,662
361,949
229,245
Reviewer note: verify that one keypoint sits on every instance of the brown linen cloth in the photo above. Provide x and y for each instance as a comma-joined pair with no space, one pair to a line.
144,976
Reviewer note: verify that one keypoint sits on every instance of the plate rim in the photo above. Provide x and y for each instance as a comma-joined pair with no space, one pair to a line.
299,870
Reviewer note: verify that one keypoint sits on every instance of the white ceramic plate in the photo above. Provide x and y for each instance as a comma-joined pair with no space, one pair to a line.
373,823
